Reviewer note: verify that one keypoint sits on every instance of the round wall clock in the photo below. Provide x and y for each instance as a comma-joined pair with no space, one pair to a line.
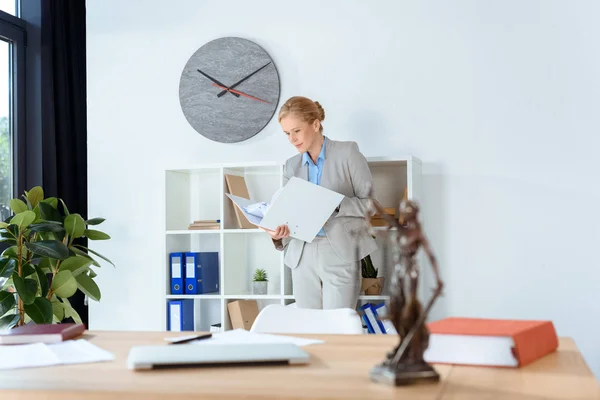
229,89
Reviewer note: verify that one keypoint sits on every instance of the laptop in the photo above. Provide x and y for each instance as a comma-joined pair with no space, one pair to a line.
190,355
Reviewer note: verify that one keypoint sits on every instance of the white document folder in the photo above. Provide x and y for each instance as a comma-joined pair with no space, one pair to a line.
301,205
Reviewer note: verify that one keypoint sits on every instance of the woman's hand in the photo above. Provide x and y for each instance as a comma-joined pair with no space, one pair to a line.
281,232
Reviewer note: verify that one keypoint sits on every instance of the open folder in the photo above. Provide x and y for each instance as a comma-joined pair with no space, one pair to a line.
301,205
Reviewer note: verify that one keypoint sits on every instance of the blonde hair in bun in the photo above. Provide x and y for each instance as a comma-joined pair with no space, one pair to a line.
303,108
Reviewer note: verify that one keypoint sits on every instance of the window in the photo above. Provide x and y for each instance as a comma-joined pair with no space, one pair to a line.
12,105
9,6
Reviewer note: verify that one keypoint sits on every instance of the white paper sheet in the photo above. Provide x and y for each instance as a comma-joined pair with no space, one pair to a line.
237,336
26,355
79,352
43,355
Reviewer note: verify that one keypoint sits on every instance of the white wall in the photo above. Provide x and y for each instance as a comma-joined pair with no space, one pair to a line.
499,99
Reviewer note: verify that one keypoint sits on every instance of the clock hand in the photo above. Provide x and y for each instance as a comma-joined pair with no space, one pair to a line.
238,92
242,80
218,83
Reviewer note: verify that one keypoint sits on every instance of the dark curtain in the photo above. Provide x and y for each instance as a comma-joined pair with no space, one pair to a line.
64,119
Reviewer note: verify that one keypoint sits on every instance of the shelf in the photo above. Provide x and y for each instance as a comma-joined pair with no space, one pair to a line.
194,232
243,231
198,192
194,296
382,297
211,231
253,296
374,298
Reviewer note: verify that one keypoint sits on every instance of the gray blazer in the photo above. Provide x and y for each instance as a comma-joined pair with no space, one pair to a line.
345,171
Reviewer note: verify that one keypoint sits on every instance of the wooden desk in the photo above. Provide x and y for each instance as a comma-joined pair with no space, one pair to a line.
339,369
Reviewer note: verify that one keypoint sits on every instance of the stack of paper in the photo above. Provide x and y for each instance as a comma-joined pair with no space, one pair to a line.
42,355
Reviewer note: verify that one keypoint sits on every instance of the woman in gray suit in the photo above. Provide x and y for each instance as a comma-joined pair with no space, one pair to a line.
325,273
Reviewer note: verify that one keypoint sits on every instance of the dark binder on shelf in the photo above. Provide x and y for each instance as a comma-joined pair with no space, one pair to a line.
177,266
180,315
201,272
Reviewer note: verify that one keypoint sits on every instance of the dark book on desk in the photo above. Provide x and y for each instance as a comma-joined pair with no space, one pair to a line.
41,333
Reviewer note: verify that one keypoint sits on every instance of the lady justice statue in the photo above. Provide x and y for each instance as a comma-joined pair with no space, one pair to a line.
405,363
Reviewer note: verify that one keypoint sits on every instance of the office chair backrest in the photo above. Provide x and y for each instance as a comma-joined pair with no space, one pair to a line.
277,318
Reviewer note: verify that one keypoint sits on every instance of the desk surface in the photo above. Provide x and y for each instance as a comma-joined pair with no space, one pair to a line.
339,369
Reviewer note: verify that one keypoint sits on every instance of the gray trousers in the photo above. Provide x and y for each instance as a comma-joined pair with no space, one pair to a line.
322,280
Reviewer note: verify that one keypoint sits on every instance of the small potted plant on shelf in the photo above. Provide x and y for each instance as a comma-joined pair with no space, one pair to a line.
260,281
371,284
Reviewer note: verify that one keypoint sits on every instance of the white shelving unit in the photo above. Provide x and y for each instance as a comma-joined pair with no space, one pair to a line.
198,193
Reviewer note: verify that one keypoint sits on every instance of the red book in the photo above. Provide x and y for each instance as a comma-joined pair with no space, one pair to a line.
42,333
491,342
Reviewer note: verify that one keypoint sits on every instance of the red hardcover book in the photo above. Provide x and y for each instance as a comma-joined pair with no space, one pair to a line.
491,342
42,333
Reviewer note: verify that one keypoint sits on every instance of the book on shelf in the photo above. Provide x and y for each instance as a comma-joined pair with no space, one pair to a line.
205,224
489,342
375,320
236,185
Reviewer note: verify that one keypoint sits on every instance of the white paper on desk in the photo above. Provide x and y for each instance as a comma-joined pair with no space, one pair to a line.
44,355
242,336
26,355
301,205
79,352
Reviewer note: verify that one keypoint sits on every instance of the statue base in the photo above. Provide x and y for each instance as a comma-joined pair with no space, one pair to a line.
404,374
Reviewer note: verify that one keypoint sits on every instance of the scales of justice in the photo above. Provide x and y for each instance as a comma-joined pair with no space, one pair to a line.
405,364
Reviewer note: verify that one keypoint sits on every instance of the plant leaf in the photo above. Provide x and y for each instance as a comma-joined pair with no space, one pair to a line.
92,274
70,311
49,213
64,284
35,195
3,224
88,286
75,250
27,270
7,302
49,248
7,267
57,309
10,252
47,265
13,252
8,321
95,221
95,253
18,206
65,207
53,201
47,226
96,235
26,289
40,311
75,225
23,219
75,264
43,280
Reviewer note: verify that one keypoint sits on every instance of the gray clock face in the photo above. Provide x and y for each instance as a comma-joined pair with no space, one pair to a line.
229,90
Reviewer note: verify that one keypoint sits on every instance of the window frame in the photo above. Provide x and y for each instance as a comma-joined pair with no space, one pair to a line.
13,30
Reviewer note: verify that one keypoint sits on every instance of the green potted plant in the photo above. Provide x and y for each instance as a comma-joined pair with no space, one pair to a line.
260,282
45,264
371,283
